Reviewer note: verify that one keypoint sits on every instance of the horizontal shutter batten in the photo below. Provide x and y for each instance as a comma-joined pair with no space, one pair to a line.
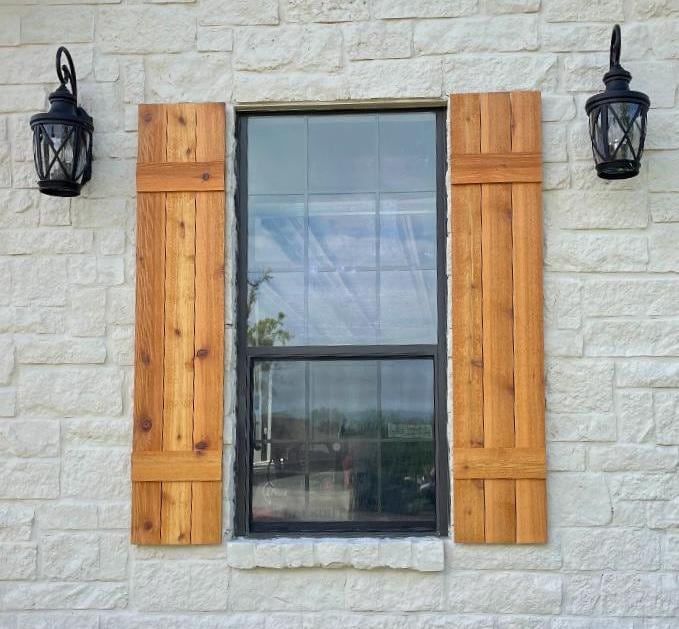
499,463
196,465
496,168
180,177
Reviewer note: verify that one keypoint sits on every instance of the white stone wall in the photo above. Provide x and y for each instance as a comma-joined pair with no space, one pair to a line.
67,315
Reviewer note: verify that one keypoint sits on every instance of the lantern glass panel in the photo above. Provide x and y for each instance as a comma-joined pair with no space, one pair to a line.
617,130
59,150
62,151
623,140
83,152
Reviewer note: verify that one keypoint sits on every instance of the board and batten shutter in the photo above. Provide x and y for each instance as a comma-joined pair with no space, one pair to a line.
179,335
498,382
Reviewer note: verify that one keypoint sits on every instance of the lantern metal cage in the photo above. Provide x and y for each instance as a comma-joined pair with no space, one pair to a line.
617,121
62,137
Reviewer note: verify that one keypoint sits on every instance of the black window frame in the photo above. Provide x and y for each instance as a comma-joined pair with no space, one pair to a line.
245,356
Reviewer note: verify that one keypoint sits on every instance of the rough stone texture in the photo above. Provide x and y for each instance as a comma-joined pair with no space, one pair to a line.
505,34
315,48
378,40
67,270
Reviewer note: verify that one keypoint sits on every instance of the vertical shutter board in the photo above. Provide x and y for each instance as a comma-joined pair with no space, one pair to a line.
531,500
498,334
149,337
468,496
510,256
209,336
180,271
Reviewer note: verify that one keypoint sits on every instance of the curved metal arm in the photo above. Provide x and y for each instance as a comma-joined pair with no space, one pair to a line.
616,41
66,73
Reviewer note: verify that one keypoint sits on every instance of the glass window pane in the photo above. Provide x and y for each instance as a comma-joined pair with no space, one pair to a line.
407,152
277,227
346,255
408,230
343,440
276,309
408,306
343,153
407,400
276,155
342,308
279,400
342,231
408,487
336,415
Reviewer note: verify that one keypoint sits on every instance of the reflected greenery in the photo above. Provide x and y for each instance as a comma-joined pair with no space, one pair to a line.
268,331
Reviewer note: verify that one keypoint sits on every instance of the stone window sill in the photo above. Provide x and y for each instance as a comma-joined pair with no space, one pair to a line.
422,554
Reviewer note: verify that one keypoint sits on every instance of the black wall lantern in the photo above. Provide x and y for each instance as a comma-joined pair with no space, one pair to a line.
62,138
617,121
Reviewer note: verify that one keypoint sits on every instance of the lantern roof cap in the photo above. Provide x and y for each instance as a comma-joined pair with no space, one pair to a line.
617,80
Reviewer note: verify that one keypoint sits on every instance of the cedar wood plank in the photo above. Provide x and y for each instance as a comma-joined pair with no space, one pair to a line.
468,496
498,345
206,523
531,501
149,338
179,324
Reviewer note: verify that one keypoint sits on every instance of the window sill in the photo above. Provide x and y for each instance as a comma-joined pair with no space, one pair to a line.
422,554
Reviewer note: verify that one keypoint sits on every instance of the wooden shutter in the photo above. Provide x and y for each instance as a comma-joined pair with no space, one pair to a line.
498,382
179,353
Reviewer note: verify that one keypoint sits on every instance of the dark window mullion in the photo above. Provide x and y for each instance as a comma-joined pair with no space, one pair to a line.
326,352
307,430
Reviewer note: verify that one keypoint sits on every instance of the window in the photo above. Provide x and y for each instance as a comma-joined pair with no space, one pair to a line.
341,326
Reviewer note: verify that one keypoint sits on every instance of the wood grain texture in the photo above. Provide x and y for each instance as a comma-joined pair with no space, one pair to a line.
180,177
505,457
531,495
177,459
498,345
466,294
209,337
499,463
498,168
149,338
180,273
196,465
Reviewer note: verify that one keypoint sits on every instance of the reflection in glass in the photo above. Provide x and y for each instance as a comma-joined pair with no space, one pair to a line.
343,153
276,155
343,307
408,230
407,152
342,229
408,306
275,314
343,440
277,227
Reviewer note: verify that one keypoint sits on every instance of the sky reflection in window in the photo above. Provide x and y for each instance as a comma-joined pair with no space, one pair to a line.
342,229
